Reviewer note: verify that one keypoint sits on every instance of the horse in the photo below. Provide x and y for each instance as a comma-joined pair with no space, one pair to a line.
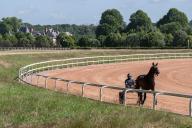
146,82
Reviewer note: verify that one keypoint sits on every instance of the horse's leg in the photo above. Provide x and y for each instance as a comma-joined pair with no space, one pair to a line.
155,99
138,93
144,98
139,98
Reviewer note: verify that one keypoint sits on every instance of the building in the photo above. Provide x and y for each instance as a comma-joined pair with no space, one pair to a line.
50,32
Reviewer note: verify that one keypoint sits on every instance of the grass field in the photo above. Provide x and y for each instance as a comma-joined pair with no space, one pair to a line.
30,107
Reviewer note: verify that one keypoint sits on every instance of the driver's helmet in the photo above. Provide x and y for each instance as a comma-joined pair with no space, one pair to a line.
129,76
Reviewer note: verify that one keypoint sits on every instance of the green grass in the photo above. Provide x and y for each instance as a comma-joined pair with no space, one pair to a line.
24,106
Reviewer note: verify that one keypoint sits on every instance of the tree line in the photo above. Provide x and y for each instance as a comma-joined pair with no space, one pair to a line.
173,30
11,34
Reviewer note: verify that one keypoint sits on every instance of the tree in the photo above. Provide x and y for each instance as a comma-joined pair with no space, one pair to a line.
174,15
113,40
189,41
43,41
169,39
139,21
104,29
111,22
180,38
101,39
188,30
123,40
65,40
170,27
31,38
13,40
13,22
4,28
113,12
190,23
112,15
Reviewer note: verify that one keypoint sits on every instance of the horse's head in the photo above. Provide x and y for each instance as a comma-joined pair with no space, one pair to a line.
154,69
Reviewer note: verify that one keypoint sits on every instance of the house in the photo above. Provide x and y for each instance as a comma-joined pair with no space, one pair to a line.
50,32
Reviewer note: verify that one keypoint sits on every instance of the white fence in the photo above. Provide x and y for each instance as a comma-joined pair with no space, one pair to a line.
31,48
30,70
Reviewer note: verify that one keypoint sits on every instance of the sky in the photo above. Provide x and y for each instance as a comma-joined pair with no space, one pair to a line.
46,12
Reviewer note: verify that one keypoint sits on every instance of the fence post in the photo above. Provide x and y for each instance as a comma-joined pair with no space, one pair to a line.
101,92
37,80
190,107
26,77
31,78
83,85
154,100
55,85
68,86
46,82
100,96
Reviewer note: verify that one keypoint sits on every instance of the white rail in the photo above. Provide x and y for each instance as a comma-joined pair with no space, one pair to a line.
35,68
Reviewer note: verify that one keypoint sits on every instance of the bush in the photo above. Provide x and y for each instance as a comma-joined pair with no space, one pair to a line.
43,41
87,41
133,40
25,39
152,39
113,40
5,43
65,40
180,38
8,40
156,39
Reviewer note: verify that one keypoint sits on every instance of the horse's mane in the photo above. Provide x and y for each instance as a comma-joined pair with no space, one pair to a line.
150,73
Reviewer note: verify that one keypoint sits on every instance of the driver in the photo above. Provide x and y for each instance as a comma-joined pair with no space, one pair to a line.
129,82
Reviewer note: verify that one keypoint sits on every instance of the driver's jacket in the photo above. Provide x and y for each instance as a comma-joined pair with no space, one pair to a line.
129,83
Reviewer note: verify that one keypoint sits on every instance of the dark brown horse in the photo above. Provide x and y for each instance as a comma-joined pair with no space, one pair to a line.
146,82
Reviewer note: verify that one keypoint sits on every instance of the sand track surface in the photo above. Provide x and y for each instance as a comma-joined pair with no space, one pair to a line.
175,76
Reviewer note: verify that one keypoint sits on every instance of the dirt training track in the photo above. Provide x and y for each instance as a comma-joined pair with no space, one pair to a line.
175,76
